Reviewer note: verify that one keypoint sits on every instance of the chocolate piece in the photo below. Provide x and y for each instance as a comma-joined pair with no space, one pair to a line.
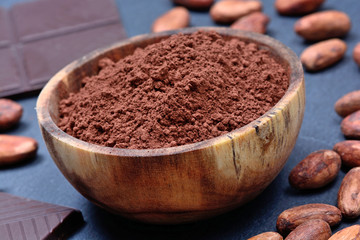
61,17
38,38
10,80
22,218
4,28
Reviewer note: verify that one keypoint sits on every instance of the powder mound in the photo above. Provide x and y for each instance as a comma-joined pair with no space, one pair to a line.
184,89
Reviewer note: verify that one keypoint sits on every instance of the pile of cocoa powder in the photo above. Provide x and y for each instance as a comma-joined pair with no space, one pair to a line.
184,89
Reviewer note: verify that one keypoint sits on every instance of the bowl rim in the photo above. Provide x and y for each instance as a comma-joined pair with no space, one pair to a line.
285,53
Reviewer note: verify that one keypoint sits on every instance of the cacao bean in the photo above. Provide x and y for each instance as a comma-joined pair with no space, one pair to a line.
254,22
350,126
349,233
323,54
195,4
356,54
10,113
323,25
267,236
349,152
348,104
289,219
313,229
229,11
316,170
178,17
297,7
348,195
14,149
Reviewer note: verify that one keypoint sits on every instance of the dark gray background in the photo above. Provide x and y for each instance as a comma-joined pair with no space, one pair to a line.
41,180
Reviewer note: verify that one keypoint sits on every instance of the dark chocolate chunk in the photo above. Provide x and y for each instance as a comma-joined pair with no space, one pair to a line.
39,55
54,17
4,28
10,79
22,218
38,38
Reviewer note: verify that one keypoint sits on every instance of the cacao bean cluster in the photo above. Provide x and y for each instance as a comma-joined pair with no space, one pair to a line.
243,15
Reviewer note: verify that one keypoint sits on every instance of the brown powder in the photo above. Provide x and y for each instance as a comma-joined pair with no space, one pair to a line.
185,89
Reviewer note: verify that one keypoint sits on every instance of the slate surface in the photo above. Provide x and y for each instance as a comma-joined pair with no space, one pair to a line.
41,179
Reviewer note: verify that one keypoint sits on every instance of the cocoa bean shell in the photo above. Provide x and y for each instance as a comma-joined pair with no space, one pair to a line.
254,22
14,149
350,126
313,229
267,236
10,113
348,103
176,18
349,233
195,4
356,54
297,7
289,219
323,25
323,54
349,152
316,170
348,195
229,11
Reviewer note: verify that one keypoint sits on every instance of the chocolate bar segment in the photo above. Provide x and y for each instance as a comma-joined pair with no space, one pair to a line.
9,70
54,17
47,56
4,28
40,37
22,218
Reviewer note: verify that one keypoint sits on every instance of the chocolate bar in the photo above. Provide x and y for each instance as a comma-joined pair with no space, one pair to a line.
38,38
22,218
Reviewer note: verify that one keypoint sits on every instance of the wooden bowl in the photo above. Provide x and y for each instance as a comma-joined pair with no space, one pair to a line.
177,184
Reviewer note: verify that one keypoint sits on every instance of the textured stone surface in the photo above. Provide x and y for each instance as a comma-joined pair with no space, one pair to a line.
320,130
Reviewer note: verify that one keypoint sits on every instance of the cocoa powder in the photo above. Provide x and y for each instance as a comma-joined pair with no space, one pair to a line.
184,89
